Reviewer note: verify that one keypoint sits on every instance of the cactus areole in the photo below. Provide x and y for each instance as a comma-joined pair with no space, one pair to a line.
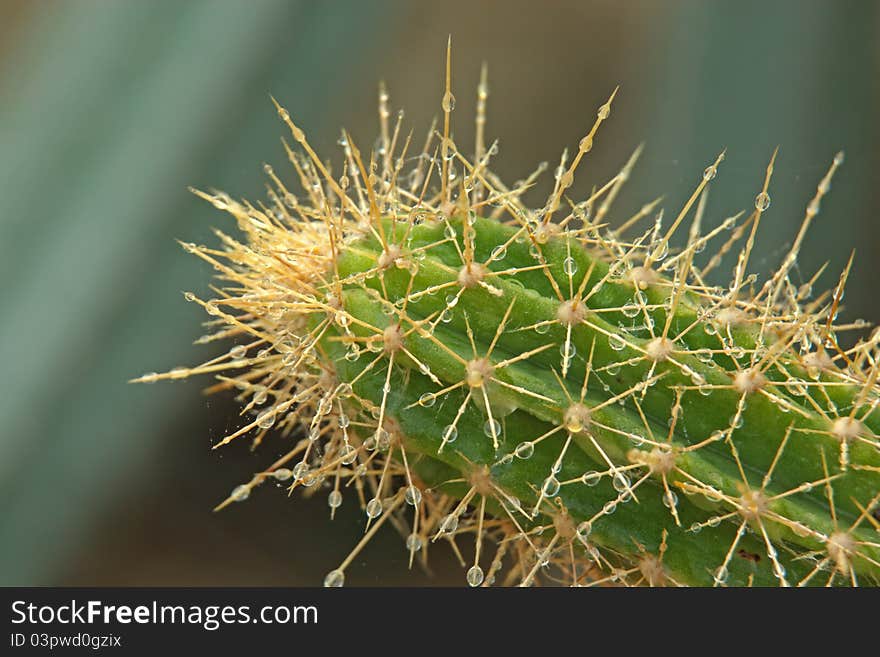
559,392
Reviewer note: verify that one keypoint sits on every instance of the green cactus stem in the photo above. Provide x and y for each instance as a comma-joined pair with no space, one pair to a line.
560,401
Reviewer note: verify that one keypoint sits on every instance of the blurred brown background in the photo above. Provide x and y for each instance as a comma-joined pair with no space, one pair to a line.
108,110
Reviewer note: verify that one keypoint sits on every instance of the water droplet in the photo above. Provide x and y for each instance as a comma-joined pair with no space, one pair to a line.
475,576
449,524
620,482
427,400
383,439
413,543
586,144
282,474
584,529
570,266
550,487
334,499
349,455
525,450
450,433
492,429
374,508
240,493
567,350
710,173
630,310
300,470
762,201
334,579
604,111
609,507
591,478
670,500
721,574
616,342
413,496
266,419
448,102
499,253
238,351
714,521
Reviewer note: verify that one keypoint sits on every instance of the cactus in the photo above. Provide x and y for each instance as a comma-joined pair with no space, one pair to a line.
558,401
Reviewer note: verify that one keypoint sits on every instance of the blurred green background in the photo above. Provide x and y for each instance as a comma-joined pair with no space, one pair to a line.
108,110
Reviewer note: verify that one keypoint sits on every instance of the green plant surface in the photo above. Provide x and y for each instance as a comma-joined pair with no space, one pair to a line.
578,404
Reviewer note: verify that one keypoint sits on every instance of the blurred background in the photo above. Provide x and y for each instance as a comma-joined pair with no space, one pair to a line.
108,110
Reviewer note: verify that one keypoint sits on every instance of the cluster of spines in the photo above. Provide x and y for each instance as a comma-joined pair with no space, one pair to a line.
327,358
